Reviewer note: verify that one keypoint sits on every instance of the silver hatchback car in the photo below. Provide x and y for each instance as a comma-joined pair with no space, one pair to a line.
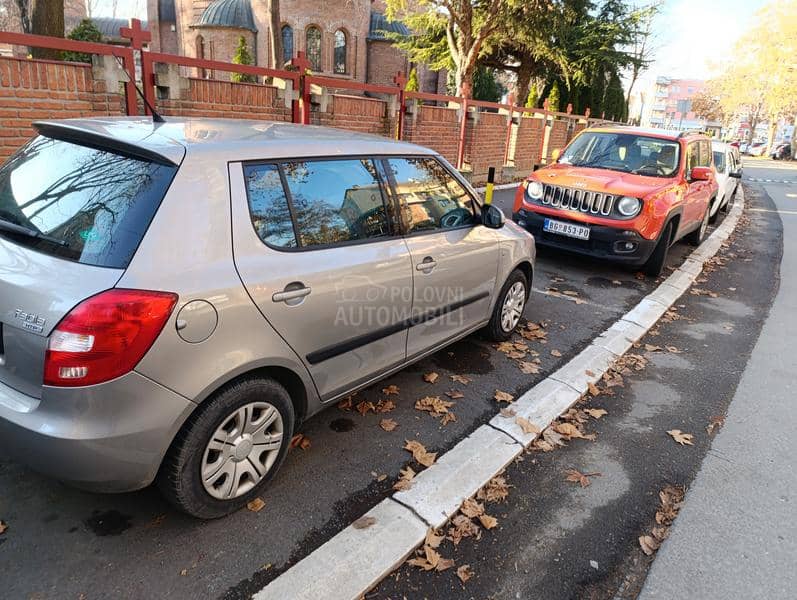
175,297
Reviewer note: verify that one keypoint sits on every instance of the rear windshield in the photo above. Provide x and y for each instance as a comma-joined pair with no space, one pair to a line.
91,206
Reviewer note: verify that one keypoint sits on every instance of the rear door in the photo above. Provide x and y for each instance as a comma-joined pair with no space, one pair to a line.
454,257
698,192
317,249
71,218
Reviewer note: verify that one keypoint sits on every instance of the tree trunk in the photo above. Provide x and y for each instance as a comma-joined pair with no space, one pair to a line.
47,18
275,35
464,79
24,15
523,81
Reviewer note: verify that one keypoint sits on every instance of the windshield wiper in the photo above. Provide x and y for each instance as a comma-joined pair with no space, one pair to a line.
29,232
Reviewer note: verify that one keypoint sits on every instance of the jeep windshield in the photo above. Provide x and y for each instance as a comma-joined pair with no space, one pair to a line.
625,152
84,204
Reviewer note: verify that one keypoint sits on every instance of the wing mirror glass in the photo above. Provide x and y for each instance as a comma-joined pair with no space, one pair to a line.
492,217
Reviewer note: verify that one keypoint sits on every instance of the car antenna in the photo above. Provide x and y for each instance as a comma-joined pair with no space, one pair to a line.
156,118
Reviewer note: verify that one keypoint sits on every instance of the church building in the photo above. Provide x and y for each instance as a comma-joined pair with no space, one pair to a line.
344,39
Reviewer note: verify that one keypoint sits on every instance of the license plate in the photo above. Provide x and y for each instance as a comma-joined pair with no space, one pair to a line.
574,231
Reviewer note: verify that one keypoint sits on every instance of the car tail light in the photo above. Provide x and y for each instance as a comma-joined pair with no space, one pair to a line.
105,336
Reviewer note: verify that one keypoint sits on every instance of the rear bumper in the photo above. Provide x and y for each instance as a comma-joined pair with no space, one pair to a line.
604,242
107,438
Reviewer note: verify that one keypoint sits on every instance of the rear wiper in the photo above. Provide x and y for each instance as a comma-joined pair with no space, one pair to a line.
29,232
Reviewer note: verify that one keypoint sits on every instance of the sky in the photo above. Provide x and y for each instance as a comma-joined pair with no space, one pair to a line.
124,8
692,34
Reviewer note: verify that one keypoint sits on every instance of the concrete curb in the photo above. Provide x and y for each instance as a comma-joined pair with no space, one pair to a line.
355,560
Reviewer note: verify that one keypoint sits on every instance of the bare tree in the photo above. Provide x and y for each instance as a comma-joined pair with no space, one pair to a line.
274,34
643,50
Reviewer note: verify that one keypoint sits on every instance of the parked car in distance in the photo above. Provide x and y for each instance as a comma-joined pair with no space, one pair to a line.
625,194
744,147
781,151
176,297
728,169
757,149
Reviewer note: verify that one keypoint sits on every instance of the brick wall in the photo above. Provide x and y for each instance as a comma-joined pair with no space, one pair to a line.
528,144
384,61
32,90
558,137
355,113
485,144
211,98
436,127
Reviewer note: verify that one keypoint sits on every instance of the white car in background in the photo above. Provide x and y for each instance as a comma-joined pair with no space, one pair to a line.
728,165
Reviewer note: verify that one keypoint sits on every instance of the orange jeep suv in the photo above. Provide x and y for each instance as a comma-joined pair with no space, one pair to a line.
622,193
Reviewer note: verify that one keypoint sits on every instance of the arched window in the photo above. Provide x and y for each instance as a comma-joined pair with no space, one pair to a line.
199,50
339,63
287,43
313,46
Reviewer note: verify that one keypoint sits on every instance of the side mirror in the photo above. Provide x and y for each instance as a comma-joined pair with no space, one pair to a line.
556,154
736,174
700,174
492,217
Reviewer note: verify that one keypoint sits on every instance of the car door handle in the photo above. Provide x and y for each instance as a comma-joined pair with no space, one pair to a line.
293,294
427,264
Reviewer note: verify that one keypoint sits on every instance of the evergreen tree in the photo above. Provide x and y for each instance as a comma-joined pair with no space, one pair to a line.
554,97
242,57
86,31
485,86
412,81
531,101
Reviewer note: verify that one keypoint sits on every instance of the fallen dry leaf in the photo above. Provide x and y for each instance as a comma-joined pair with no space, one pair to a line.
462,527
3,527
404,482
487,521
673,350
503,396
184,572
364,522
593,389
556,353
464,573
434,405
420,454
715,423
455,394
589,373
460,379
430,377
391,389
471,508
443,564
681,437
528,368
300,441
575,476
449,417
527,426
345,404
652,348
649,544
365,407
255,505
495,490
384,406
596,413
388,424
507,412
433,540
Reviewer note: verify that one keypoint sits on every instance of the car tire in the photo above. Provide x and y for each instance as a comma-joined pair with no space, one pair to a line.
656,261
727,206
713,217
508,308
698,235
232,414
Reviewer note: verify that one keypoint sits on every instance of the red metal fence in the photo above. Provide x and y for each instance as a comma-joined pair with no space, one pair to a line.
471,133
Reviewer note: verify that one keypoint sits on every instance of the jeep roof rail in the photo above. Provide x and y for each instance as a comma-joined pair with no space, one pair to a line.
686,132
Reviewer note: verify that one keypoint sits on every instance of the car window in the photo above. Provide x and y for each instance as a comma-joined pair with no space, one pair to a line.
336,201
626,152
719,161
268,206
705,153
94,205
429,196
692,156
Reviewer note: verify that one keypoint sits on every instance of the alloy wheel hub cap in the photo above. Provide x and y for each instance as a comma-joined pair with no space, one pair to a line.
514,301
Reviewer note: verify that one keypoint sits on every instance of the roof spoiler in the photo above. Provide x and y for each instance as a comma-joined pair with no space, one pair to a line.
67,133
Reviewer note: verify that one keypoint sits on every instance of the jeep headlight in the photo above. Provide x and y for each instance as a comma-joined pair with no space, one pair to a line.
534,189
628,206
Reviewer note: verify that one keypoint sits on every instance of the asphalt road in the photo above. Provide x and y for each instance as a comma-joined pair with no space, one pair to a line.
64,543
558,540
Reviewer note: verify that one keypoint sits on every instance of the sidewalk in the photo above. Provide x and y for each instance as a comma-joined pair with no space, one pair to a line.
736,536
